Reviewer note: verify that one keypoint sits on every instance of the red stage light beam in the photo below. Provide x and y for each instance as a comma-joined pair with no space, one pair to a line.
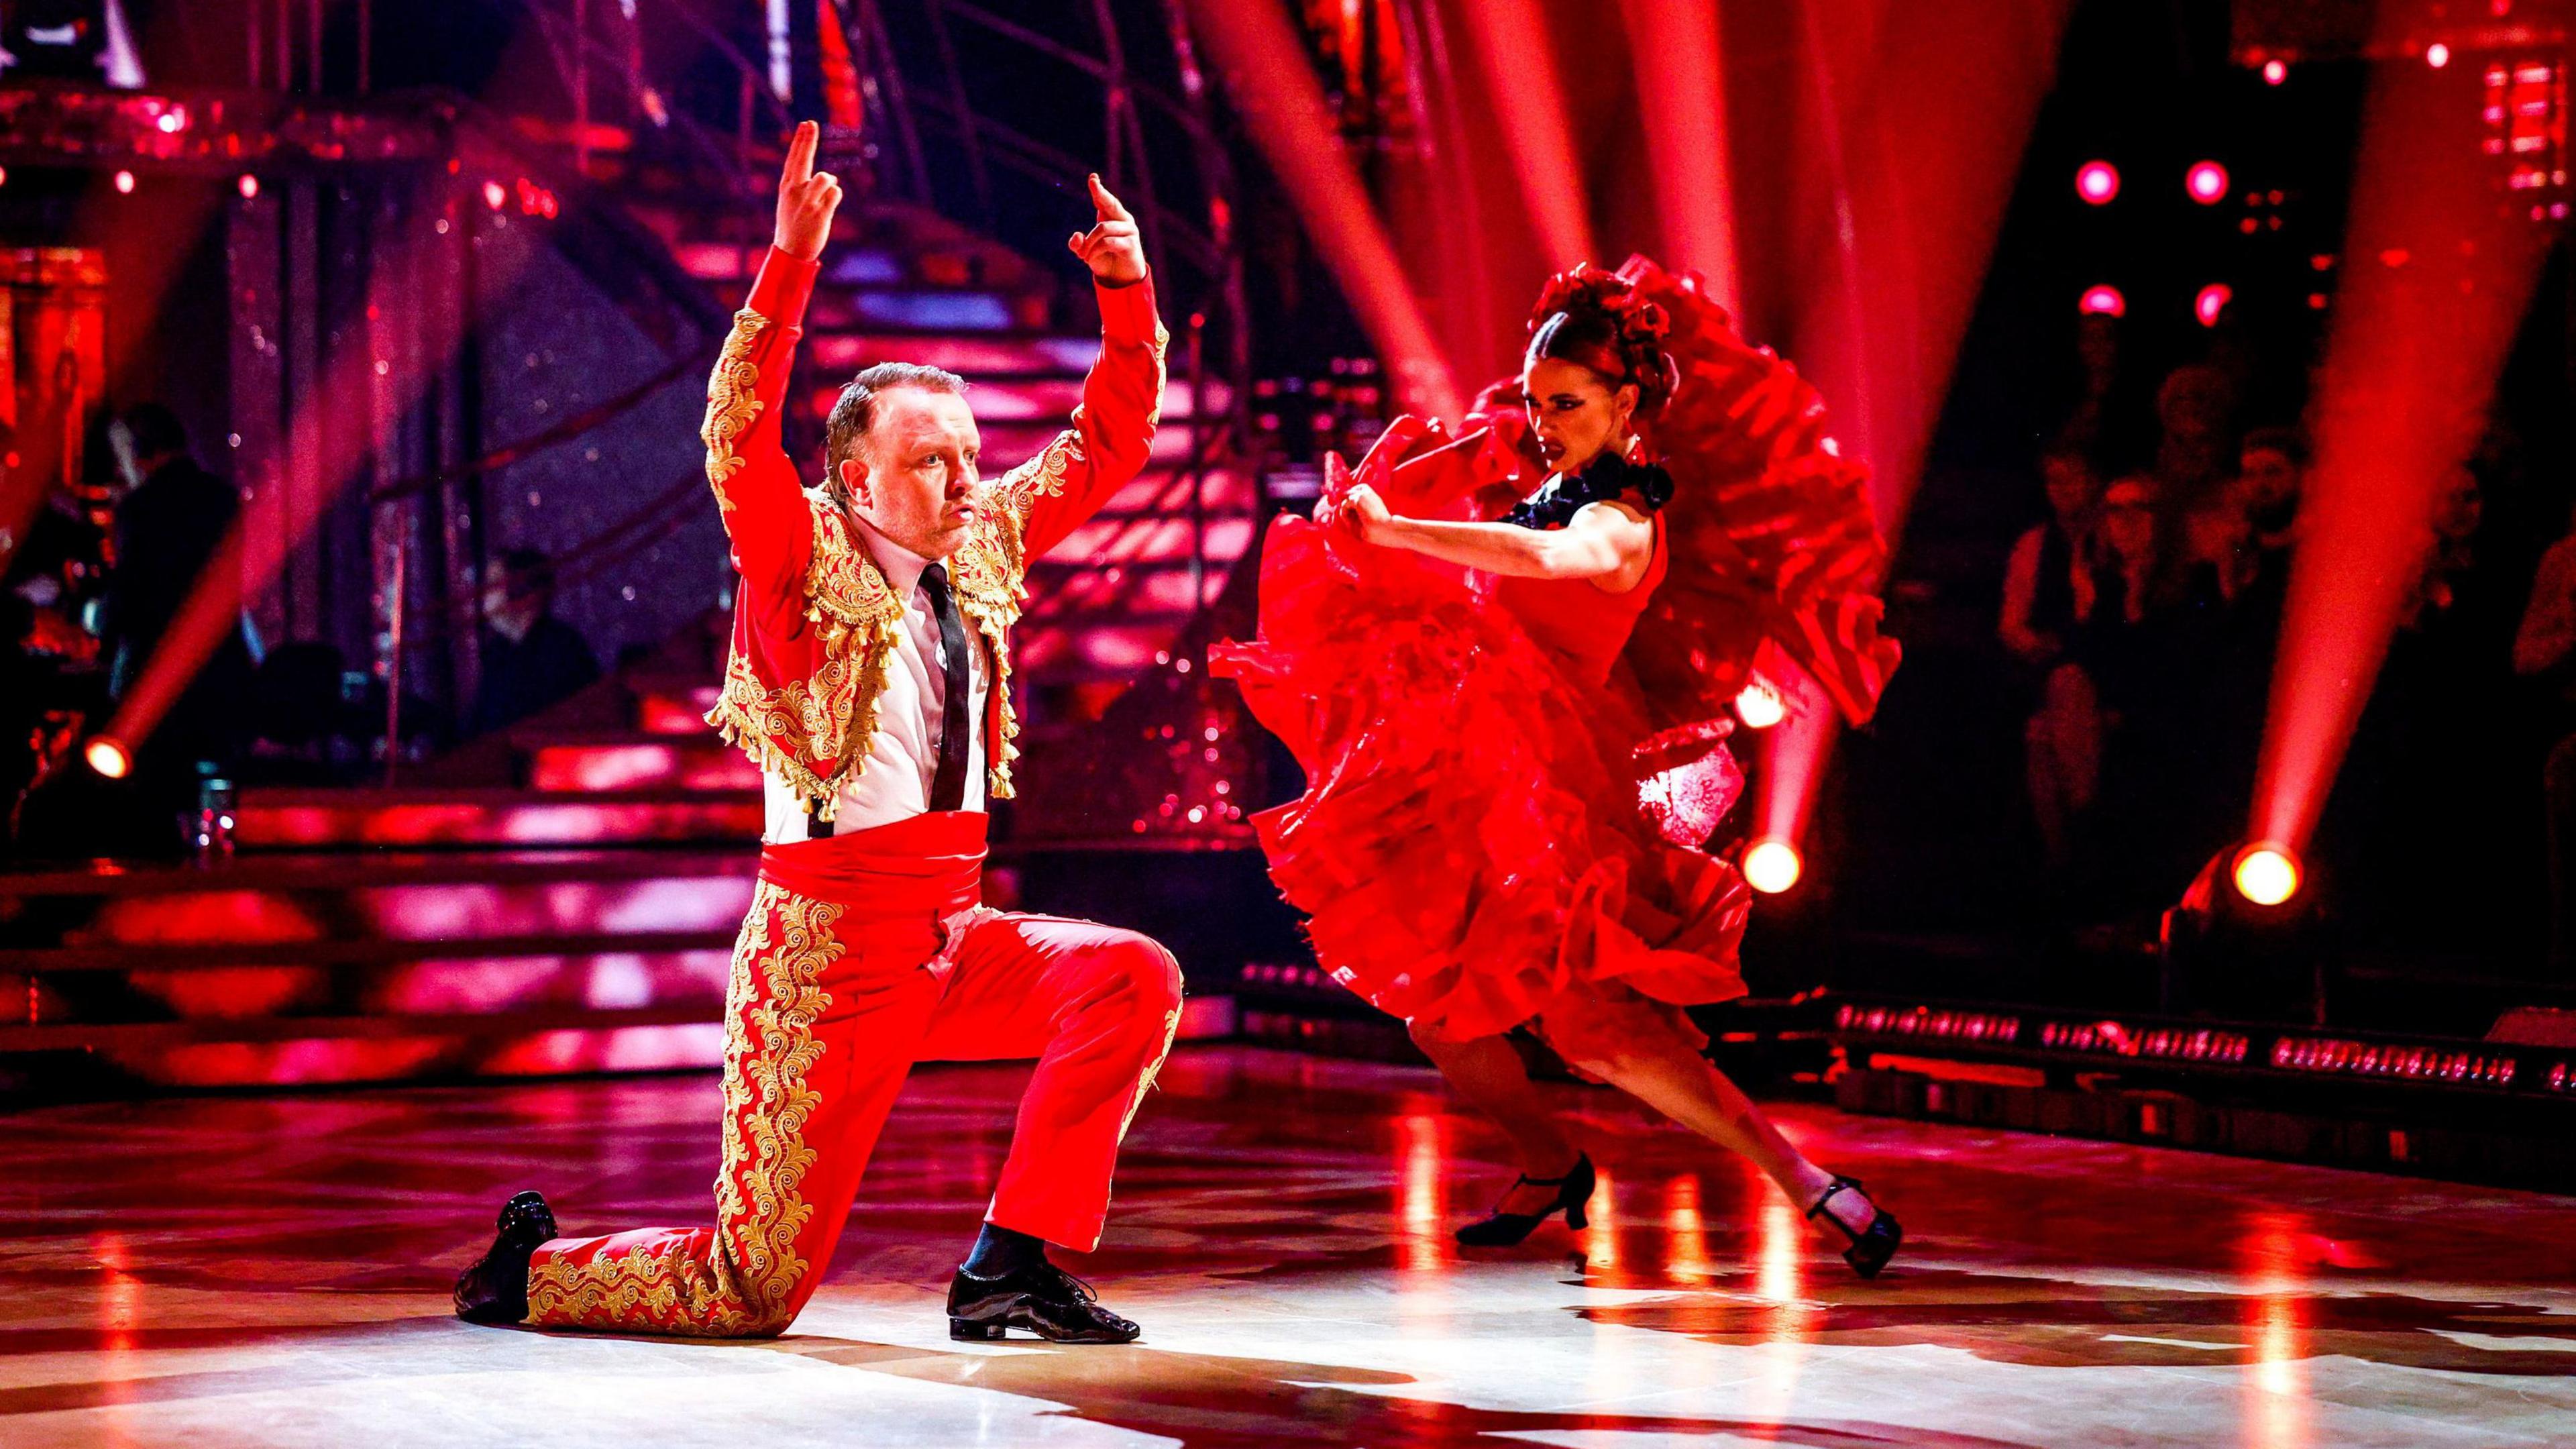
1519,62
2442,260
1282,105
1918,115
1678,64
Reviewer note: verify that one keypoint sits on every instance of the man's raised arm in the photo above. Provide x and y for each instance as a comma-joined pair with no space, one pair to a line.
747,464
1112,435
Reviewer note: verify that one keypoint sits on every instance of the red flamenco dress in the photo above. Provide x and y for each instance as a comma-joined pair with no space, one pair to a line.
1509,781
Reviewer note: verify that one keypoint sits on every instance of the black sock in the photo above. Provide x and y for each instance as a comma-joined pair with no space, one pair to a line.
998,1251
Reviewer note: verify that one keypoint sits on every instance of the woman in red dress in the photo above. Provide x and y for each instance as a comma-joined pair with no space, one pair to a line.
1511,715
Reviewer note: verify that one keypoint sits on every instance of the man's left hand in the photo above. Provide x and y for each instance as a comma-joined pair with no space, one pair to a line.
1112,248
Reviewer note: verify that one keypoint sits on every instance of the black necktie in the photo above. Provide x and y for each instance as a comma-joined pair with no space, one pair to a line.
948,786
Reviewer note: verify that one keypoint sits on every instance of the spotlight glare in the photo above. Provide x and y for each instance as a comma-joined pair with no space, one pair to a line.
2212,302
2207,182
1759,706
1772,866
2103,301
2097,182
249,187
2266,874
2437,55
495,195
125,183
107,755
2275,72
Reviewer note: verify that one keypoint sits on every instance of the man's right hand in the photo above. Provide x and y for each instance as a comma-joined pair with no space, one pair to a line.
807,198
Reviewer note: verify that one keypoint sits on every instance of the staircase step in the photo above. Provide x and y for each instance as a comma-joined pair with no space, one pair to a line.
664,811
637,761
978,357
328,871
1115,540
1023,399
436,1046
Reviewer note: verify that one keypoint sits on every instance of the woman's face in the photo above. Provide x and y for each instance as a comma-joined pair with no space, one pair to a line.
2129,521
2071,486
1575,413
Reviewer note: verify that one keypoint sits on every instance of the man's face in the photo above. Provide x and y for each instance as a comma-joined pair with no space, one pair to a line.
914,478
2270,479
129,465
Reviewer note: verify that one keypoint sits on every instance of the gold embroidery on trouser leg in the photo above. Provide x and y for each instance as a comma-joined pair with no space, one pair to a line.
1154,1068
744,1285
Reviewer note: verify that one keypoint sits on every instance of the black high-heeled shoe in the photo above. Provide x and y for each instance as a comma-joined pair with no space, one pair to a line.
1500,1229
1872,1246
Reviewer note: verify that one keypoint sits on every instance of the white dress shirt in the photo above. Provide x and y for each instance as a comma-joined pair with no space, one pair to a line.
903,756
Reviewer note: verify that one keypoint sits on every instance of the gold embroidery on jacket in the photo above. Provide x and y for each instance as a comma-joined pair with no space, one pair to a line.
731,404
745,1284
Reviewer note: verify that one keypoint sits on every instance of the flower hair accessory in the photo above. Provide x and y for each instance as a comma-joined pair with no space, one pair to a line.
1622,333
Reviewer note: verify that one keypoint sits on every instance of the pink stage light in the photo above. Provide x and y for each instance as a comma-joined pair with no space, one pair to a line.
1772,866
2211,303
2266,874
125,183
1674,45
495,195
2207,182
1759,706
2102,301
1282,105
2437,55
1520,72
108,756
249,187
2274,72
2411,361
2097,182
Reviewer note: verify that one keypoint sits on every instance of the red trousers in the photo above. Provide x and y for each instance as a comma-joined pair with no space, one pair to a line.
863,954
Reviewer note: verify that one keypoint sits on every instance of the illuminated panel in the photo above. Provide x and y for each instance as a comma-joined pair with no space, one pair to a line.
2111,1038
2342,1057
1926,1022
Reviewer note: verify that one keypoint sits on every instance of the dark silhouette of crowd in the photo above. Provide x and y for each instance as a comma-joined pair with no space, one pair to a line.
2144,610
101,577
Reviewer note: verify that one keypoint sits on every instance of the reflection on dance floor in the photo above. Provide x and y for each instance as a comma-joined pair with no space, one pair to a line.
273,1271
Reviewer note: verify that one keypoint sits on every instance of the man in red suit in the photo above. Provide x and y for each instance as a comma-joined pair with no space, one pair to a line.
869,679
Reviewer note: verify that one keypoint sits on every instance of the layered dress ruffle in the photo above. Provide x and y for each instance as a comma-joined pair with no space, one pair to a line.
1494,824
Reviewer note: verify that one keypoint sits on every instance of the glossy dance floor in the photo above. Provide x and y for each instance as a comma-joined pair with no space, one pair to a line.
223,1272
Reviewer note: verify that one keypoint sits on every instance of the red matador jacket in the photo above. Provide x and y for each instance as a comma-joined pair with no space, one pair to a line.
815,623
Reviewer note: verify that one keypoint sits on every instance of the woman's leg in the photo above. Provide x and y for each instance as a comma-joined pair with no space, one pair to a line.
1634,1046
1488,1072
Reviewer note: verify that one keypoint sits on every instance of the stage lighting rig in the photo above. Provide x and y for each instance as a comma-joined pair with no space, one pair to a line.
2246,940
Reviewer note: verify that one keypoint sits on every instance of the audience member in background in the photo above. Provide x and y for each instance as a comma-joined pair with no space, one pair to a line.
531,659
2143,647
2048,592
170,522
2544,650
2194,410
2448,553
2108,419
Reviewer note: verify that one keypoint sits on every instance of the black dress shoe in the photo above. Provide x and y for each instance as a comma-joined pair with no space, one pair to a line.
1872,1246
1499,1229
495,1290
1042,1298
